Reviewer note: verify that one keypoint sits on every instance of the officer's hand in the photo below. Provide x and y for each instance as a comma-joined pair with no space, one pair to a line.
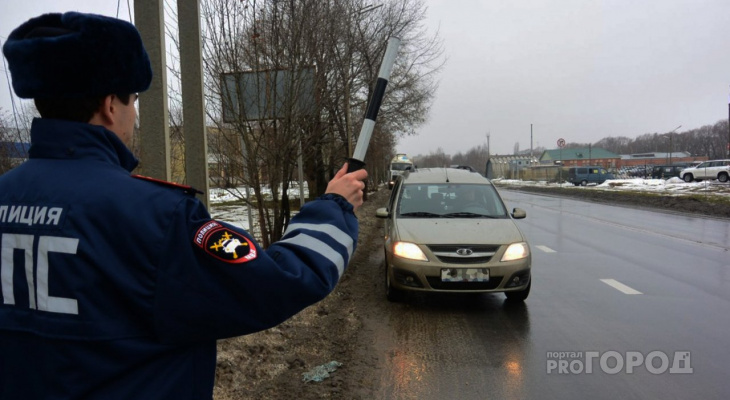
349,186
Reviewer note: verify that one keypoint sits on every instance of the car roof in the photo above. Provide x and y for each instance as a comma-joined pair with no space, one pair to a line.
706,161
444,175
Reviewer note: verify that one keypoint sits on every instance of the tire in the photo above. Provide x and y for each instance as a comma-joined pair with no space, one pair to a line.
687,178
722,177
392,294
521,295
584,182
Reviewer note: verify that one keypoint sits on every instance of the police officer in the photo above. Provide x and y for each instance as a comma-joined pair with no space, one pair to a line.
115,287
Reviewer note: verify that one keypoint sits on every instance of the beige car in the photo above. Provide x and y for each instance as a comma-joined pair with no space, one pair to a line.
448,230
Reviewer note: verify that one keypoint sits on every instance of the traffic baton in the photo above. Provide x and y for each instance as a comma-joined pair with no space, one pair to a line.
357,162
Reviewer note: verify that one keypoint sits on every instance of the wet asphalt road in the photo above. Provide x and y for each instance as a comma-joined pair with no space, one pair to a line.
612,288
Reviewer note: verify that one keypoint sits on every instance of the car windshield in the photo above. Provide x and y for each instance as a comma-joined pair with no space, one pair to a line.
445,200
400,166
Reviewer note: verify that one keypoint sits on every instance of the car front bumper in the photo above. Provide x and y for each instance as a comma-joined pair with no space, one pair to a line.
427,276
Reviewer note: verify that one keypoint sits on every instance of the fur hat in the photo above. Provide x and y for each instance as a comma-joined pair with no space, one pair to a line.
74,55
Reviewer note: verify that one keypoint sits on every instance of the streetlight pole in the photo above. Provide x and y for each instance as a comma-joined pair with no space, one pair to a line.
531,145
670,143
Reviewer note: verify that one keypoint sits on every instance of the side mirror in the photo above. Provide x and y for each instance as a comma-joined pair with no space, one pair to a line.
382,213
518,213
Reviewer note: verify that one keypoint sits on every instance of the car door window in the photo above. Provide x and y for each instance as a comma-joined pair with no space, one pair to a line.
394,194
415,200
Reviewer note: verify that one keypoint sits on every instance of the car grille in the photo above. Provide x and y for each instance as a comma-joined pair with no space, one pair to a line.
450,254
436,283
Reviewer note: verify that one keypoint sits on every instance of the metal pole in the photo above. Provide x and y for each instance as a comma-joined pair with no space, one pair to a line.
247,181
670,143
300,170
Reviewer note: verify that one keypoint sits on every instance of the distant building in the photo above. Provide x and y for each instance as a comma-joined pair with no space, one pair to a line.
581,156
658,158
508,166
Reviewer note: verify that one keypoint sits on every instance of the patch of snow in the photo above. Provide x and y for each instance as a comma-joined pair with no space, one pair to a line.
674,186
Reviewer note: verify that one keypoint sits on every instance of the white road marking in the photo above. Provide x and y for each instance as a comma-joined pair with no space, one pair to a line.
620,286
545,249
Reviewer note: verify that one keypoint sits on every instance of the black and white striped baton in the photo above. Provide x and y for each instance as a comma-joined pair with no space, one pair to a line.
356,162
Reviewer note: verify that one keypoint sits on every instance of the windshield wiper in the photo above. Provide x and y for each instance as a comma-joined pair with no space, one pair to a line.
466,215
420,214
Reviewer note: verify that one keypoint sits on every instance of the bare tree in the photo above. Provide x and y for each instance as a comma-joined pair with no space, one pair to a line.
413,82
434,159
333,48
15,136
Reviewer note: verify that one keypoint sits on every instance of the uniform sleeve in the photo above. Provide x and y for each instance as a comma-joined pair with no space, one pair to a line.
215,281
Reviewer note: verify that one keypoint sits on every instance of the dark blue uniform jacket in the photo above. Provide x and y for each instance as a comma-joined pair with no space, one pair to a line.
118,288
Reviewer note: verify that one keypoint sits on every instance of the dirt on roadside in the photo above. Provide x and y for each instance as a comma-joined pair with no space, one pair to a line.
271,364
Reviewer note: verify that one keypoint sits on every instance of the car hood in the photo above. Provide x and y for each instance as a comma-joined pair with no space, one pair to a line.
458,231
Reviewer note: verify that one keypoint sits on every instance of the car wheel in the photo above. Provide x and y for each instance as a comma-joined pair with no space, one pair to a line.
722,177
583,182
519,295
687,178
392,294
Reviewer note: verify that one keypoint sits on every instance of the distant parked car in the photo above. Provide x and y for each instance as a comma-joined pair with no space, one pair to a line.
712,169
590,174
641,171
466,167
666,171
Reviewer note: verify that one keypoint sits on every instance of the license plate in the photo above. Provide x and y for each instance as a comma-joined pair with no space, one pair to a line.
465,275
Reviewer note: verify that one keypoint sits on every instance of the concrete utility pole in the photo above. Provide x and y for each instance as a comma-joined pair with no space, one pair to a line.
154,119
191,72
154,124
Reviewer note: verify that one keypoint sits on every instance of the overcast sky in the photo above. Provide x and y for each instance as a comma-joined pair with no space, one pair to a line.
580,70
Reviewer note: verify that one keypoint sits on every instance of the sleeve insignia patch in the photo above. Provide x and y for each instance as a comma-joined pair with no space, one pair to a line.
225,244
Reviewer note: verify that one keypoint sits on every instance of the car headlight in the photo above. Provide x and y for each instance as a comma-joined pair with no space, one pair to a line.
409,251
516,251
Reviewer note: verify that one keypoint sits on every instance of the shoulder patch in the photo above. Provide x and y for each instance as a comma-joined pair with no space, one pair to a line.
225,244
185,188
